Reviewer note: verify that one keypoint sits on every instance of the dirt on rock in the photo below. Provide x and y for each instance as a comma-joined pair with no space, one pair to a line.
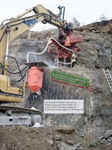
89,131
45,138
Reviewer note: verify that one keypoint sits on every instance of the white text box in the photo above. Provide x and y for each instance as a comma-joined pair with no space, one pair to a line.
63,106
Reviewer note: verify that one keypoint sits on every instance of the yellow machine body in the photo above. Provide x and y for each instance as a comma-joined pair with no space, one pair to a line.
8,93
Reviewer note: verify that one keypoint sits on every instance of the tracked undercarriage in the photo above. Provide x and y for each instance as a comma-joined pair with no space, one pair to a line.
11,115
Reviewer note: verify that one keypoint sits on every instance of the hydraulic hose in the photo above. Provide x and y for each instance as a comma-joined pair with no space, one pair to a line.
46,49
18,80
12,72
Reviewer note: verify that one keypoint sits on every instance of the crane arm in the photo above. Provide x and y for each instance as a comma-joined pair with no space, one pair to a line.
18,25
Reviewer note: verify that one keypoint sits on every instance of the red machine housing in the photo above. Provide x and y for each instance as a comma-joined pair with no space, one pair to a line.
34,79
71,40
68,41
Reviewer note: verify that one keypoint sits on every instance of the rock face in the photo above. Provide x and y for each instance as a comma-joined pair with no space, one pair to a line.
96,54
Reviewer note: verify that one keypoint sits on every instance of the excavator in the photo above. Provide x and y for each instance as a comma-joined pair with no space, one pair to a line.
10,29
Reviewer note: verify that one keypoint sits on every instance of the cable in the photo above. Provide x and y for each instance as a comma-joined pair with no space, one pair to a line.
18,80
46,49
16,63
12,72
20,71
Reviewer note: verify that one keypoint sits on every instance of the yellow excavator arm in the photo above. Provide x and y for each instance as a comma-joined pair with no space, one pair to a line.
18,25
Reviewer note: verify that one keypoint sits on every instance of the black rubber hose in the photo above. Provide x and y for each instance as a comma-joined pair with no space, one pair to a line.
16,63
13,72
18,80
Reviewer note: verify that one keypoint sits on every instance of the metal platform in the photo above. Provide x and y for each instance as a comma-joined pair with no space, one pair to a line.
37,64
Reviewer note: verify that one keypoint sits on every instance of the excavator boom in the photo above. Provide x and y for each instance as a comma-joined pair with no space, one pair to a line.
18,25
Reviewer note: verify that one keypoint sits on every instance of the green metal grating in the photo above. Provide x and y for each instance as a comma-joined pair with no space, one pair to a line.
68,78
